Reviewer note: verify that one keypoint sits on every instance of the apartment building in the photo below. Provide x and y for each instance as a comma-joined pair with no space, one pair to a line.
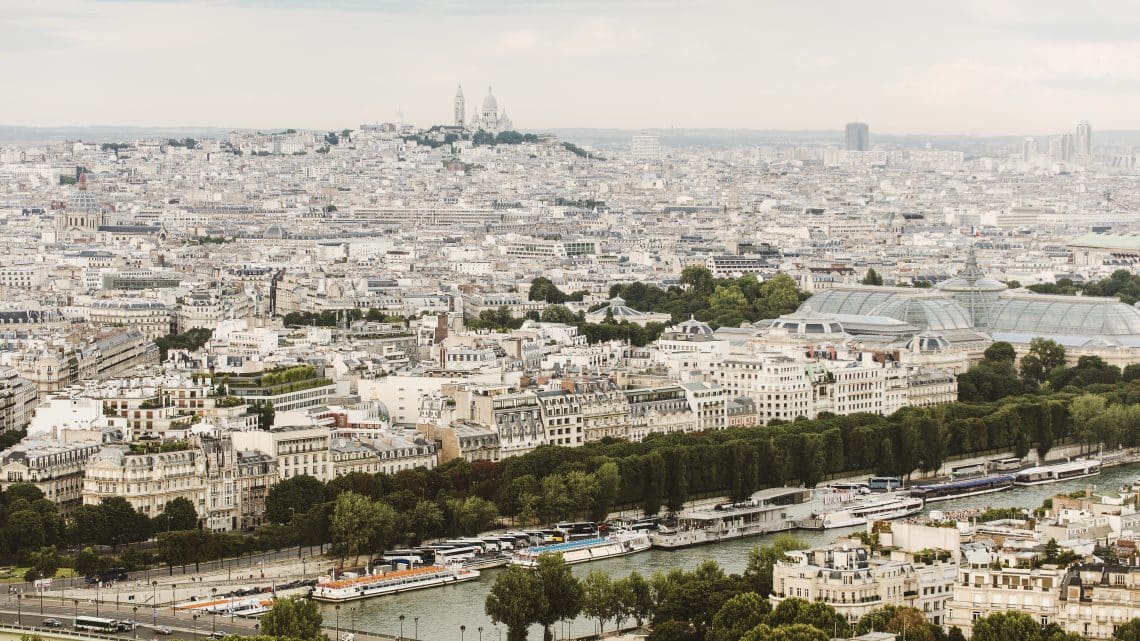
298,449
55,468
659,409
856,580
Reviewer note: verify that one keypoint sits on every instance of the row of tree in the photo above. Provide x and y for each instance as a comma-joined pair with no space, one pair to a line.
333,317
722,302
1122,284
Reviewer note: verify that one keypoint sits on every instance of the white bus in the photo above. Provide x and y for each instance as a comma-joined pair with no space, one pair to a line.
98,624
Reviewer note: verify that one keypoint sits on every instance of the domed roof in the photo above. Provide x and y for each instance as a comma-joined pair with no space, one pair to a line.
933,312
274,231
82,200
806,320
971,278
1056,316
693,327
928,342
489,103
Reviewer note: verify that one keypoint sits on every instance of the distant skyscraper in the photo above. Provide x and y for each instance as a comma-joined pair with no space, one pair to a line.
1084,138
645,147
858,136
1028,149
460,107
1066,147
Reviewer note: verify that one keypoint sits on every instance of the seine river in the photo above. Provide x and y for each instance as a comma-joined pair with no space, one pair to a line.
440,611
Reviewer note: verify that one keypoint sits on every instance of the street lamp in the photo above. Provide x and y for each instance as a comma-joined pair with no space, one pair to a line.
19,611
173,600
416,620
135,620
462,629
97,584
480,633
352,618
337,608
154,604
76,603
401,627
213,611
195,617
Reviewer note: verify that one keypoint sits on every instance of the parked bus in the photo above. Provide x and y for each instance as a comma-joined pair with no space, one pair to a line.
98,624
456,555
579,530
1008,464
884,483
968,470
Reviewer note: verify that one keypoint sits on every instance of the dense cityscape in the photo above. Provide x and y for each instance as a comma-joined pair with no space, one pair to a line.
419,380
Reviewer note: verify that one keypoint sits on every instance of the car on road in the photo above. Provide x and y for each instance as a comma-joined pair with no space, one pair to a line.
217,635
162,629
52,623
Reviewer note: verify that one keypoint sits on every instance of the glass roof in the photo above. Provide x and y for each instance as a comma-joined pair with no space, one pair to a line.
1065,315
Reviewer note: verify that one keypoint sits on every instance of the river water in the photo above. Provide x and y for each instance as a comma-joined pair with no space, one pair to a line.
436,614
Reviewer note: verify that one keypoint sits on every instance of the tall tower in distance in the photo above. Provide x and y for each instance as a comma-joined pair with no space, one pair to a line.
1084,138
460,106
858,136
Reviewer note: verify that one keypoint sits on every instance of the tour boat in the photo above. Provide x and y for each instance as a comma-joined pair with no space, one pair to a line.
766,511
860,512
391,583
965,487
619,544
1043,474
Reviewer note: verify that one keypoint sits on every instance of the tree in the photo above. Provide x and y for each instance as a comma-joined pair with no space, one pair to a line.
86,562
897,619
609,483
1128,631
780,296
699,279
562,593
295,618
737,616
636,598
475,514
424,522
47,561
122,524
1043,357
599,598
1000,352
797,632
355,522
1006,626
178,514
872,277
516,600
293,496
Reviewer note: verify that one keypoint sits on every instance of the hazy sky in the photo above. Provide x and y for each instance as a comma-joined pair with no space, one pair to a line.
966,66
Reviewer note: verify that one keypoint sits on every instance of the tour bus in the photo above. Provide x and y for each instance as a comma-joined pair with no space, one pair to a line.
968,470
456,555
579,530
884,483
1008,464
98,624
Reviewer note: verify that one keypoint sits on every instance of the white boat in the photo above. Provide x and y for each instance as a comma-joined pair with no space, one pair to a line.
619,544
766,511
391,583
1043,474
859,513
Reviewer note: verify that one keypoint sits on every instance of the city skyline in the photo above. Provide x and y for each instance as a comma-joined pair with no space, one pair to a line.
1028,69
